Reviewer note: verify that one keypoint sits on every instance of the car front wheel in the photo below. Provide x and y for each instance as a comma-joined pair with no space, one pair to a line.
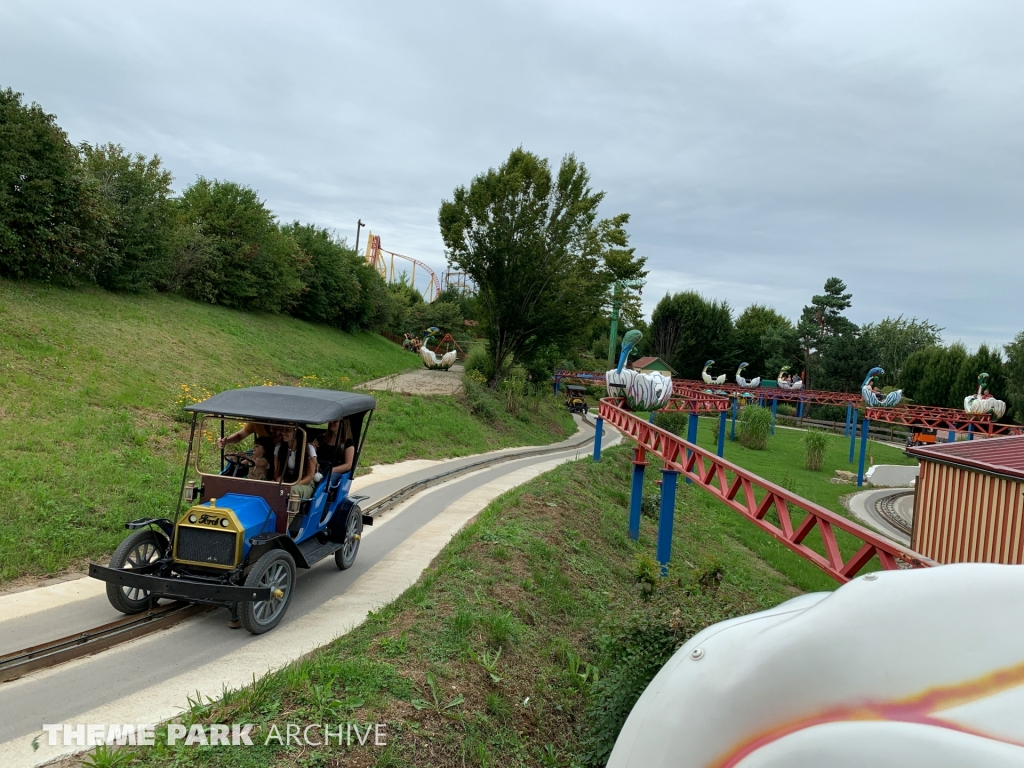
276,570
140,548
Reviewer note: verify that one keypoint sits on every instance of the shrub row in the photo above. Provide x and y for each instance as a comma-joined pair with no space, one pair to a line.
100,215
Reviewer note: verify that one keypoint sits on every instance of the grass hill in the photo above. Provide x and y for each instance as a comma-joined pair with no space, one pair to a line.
88,382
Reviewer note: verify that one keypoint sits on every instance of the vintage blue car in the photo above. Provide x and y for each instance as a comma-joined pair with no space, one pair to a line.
249,521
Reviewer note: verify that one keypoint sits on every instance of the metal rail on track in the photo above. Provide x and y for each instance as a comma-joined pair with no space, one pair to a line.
55,652
759,500
396,498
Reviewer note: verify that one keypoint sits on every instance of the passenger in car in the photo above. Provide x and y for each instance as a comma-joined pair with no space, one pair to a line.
288,461
337,446
259,470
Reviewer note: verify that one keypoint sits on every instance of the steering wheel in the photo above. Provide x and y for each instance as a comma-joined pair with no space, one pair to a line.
241,459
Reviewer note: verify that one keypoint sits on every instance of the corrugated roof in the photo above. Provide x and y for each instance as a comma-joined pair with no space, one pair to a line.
1001,455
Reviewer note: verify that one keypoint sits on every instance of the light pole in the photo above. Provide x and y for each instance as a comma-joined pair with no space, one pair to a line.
359,226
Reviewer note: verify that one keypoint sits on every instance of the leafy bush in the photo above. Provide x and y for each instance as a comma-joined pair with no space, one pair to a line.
479,398
631,651
755,427
674,422
479,359
52,218
514,388
815,442
827,412
785,409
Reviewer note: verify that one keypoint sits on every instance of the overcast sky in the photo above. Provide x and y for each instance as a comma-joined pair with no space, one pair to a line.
760,147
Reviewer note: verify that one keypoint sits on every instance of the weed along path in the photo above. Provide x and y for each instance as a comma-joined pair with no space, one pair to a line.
151,679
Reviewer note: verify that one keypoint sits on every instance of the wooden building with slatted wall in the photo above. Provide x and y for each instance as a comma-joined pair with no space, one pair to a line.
969,502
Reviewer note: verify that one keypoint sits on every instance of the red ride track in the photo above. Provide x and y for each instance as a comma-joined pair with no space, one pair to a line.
738,489
943,419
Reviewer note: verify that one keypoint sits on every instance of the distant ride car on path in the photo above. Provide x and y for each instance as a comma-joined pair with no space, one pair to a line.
576,399
240,539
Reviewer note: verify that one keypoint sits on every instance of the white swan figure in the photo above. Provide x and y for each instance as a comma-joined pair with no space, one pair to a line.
752,383
708,379
871,397
796,383
430,359
918,667
643,391
978,403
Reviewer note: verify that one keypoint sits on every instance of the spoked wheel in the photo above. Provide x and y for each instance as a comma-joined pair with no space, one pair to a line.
345,556
140,548
276,569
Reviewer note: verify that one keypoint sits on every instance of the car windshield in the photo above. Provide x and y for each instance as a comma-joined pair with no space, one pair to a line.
249,450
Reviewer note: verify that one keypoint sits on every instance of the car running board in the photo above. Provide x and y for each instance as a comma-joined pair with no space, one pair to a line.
313,551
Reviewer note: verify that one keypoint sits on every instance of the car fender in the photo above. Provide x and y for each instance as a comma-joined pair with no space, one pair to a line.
262,543
165,525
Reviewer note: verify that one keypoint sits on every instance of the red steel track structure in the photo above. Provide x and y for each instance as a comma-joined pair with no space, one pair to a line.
739,490
817,396
942,419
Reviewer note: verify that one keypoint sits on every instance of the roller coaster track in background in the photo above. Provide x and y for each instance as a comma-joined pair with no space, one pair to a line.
755,499
384,262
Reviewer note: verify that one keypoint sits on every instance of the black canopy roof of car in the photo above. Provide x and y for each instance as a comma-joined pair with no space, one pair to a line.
292,404
576,388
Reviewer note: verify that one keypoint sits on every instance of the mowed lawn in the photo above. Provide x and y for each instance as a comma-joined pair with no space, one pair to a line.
88,381
783,463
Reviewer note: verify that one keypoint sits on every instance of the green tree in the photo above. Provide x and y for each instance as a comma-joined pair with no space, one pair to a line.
929,376
761,335
52,222
1014,372
136,193
822,320
687,330
896,339
531,242
844,360
985,360
339,287
254,265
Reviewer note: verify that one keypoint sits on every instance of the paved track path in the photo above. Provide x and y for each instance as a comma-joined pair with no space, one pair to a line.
148,680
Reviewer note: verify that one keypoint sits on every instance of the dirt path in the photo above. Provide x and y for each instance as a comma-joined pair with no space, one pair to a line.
420,382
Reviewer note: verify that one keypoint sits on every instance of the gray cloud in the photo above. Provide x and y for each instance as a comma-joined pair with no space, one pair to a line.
760,146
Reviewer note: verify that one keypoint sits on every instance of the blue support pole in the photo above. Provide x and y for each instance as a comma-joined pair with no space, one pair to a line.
775,405
853,434
636,495
721,434
650,418
849,420
666,517
863,450
735,407
952,434
970,431
691,436
598,433
800,409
